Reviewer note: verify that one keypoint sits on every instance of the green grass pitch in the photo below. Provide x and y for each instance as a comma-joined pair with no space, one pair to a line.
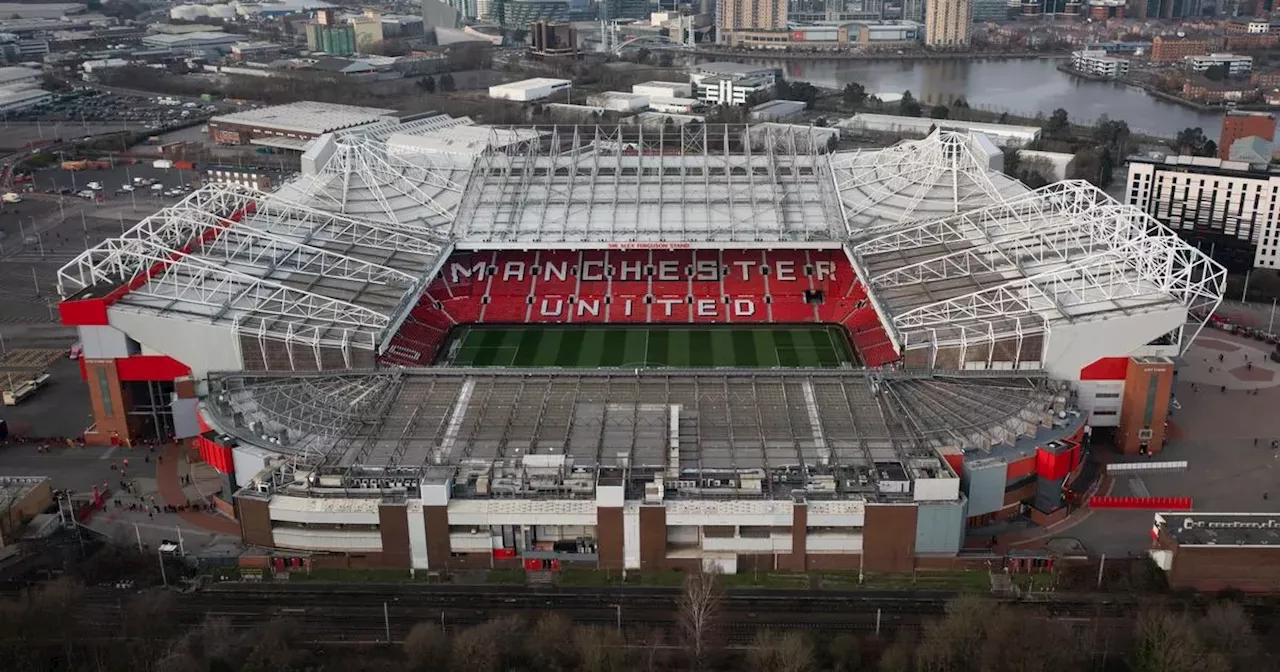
647,346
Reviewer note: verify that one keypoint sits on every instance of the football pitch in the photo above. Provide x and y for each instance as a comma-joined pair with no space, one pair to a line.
617,346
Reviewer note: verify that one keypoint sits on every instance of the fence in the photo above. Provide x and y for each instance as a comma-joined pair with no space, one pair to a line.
1141,503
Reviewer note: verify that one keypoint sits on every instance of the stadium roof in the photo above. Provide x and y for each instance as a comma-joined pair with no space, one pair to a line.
953,252
584,184
945,173
718,420
231,255
1061,254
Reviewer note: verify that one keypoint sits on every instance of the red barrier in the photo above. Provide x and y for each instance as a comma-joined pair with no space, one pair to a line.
1146,503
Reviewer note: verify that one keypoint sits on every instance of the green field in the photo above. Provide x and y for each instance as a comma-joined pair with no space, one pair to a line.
692,347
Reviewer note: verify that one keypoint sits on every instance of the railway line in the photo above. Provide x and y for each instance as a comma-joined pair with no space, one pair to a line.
360,614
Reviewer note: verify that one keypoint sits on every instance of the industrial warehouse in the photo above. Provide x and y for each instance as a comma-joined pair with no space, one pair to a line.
353,351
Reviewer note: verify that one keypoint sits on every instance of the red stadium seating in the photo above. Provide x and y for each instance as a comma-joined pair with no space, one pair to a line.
659,286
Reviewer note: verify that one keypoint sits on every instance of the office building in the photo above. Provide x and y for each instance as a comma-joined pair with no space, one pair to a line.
732,83
1096,62
626,9
1237,125
990,10
520,14
1232,65
557,40
1228,209
437,14
751,15
947,23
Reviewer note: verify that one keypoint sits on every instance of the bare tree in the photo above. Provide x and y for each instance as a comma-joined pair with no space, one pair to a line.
599,650
699,615
1167,641
845,653
1226,630
900,656
956,640
426,646
549,645
780,652
487,647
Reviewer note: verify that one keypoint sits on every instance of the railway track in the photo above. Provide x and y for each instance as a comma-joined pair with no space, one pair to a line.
344,615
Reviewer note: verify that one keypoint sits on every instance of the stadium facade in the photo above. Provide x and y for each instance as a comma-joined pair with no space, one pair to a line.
306,340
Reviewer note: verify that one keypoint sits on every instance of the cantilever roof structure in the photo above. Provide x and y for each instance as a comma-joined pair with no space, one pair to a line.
945,173
491,185
721,421
1061,254
952,252
231,255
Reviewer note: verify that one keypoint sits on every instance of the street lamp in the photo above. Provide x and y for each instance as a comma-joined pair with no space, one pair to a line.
166,546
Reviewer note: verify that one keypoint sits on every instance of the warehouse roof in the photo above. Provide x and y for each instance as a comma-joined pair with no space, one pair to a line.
306,117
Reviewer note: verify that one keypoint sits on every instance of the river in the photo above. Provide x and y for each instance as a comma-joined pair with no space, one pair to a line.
1025,87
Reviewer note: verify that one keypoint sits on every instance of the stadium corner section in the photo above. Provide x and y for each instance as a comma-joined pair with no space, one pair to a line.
643,285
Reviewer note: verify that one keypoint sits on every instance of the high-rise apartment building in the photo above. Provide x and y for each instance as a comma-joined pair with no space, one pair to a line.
947,23
1229,209
752,15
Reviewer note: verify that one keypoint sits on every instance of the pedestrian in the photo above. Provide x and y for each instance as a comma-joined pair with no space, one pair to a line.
1255,443
159,459
1224,389
1219,358
126,463
151,514
113,466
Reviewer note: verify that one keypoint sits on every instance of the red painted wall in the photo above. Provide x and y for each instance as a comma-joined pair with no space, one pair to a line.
216,455
1107,368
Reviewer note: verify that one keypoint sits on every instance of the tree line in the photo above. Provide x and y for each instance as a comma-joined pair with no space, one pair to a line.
60,626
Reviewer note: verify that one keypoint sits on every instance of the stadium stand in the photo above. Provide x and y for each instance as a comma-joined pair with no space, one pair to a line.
660,286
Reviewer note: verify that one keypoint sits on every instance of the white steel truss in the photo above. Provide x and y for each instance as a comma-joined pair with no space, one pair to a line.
886,188
288,272
363,177
1060,254
631,183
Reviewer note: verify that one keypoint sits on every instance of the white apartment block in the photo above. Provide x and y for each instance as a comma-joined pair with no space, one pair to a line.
1097,62
732,90
1225,208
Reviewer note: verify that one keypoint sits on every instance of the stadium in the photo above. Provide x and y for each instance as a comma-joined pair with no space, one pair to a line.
448,345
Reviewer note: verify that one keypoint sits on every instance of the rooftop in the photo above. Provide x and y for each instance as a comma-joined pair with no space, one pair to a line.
730,68
14,488
306,117
1057,255
195,36
533,83
16,73
688,424
1221,529
263,264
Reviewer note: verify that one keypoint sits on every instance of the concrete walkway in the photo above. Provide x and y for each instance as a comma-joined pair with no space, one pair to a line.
169,482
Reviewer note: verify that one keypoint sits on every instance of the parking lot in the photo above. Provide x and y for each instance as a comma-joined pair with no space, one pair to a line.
96,106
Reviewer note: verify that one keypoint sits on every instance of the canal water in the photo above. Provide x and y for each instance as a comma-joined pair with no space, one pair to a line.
1021,86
